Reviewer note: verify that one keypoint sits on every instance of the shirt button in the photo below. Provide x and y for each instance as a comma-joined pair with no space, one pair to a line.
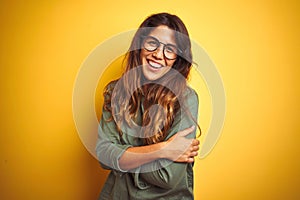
143,184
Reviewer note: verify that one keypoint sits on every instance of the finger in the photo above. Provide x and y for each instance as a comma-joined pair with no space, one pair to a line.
186,131
195,142
195,148
182,158
194,153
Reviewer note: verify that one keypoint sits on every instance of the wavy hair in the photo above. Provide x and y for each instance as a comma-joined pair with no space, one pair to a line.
130,89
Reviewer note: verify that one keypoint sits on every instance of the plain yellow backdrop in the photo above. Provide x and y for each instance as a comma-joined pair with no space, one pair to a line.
254,44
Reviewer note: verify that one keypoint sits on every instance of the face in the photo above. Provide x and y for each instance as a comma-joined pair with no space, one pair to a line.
155,64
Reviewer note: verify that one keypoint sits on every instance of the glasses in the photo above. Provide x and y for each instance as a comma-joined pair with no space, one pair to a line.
170,51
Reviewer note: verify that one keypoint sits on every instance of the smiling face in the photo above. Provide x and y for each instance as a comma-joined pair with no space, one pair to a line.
155,64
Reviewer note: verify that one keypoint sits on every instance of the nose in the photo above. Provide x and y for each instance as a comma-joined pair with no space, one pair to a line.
159,52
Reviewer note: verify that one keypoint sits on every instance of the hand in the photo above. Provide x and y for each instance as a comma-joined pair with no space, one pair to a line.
180,149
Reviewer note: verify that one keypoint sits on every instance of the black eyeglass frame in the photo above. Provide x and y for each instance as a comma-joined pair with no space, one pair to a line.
179,51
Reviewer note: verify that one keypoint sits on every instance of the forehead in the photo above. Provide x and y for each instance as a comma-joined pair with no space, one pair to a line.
164,34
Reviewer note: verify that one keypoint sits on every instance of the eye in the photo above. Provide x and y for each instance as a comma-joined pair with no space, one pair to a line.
170,49
152,43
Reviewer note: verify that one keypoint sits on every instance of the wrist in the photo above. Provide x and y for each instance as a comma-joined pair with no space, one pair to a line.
162,151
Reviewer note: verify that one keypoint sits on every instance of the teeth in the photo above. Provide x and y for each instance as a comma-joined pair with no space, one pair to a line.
154,64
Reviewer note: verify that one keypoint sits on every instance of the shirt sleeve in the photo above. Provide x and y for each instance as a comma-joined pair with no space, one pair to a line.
109,147
165,173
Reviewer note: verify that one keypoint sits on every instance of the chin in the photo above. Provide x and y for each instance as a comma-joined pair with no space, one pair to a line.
150,76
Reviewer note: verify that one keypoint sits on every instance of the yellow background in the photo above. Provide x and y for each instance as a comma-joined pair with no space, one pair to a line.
254,44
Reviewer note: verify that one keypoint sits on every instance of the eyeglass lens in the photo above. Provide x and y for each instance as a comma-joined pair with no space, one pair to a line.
151,44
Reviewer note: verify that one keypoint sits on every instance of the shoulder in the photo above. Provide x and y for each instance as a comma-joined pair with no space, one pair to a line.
107,94
190,91
190,95
109,88
111,85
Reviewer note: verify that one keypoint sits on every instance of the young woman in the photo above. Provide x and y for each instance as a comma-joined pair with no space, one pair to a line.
147,129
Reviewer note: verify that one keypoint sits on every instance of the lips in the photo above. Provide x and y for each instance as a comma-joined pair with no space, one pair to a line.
154,64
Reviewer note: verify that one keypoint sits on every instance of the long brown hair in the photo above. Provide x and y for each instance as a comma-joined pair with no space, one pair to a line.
130,89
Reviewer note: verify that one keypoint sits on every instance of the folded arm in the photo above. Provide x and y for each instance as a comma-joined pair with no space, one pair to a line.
179,149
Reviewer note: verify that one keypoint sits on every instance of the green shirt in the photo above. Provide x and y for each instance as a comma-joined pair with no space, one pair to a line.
160,179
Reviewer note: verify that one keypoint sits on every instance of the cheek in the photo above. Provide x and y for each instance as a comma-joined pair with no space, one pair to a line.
170,63
144,54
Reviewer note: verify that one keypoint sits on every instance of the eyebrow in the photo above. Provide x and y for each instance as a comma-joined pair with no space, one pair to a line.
175,45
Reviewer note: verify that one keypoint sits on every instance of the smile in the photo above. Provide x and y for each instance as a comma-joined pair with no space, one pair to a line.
155,64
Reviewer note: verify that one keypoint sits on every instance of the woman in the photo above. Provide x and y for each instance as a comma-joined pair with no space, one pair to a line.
147,130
